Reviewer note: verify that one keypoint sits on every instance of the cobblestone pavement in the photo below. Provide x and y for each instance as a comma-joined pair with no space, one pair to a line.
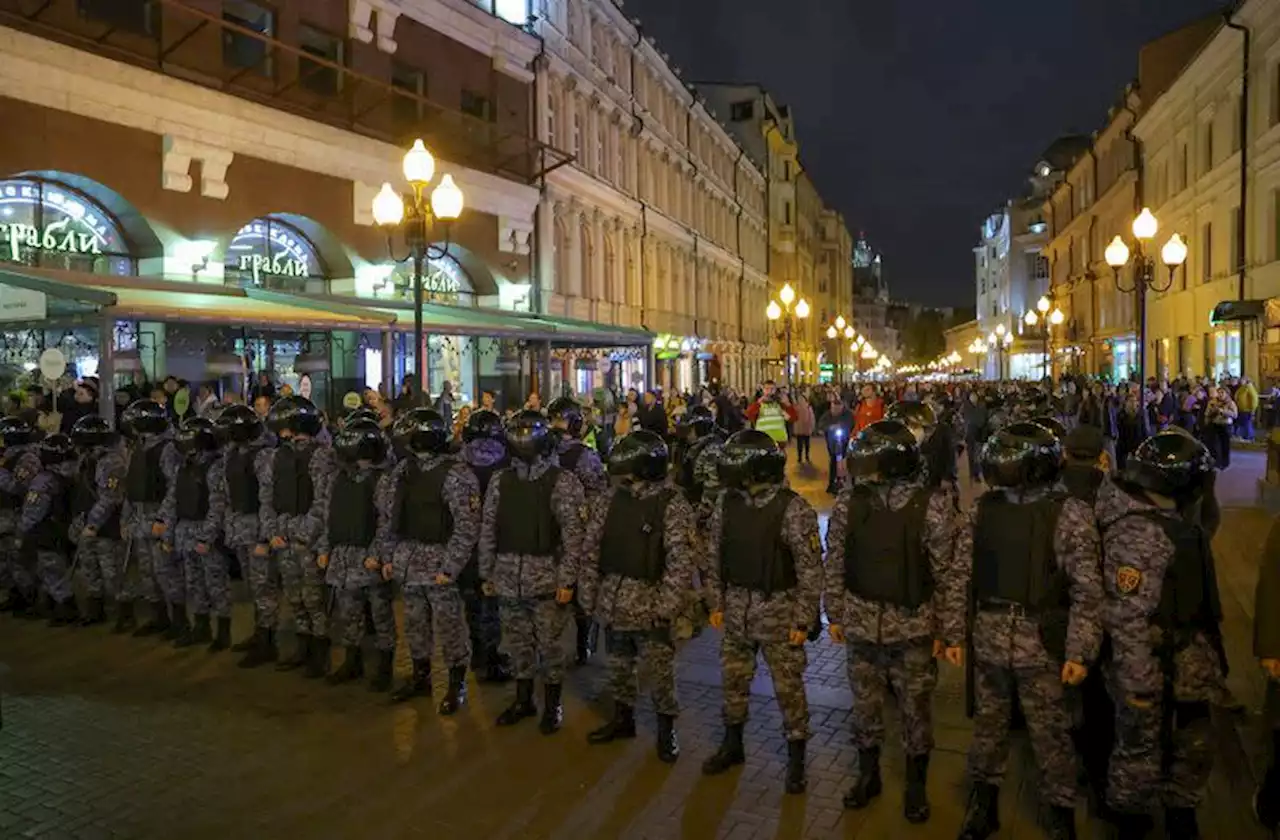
109,737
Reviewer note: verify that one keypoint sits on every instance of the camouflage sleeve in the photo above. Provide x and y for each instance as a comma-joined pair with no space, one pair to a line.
36,502
384,499
677,578
318,516
488,545
569,505
216,477
713,586
26,468
1133,575
109,477
1076,546
940,542
592,534
833,594
462,491
800,530
264,467
168,513
963,564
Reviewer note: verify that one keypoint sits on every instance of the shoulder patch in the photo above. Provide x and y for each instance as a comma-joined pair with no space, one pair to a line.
1128,579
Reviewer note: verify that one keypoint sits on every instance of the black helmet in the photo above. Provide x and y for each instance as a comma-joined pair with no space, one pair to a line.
697,422
144,417
1171,463
483,424
239,423
361,440
1053,424
56,449
918,417
296,415
641,455
888,448
751,457
1021,455
91,430
422,431
196,434
529,435
362,413
568,410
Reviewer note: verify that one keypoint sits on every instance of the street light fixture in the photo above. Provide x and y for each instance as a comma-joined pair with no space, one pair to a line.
417,216
787,314
1173,254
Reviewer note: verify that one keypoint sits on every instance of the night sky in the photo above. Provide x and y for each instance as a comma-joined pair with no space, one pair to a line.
917,119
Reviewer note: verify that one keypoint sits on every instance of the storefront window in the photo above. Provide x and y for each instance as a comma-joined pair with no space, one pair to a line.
47,225
273,254
452,359
1226,353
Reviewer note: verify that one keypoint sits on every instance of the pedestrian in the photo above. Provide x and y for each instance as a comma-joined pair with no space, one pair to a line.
764,588
893,596
242,433
638,561
19,465
429,524
44,523
96,496
151,460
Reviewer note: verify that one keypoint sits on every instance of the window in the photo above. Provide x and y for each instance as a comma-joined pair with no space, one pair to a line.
740,111
319,76
1237,258
1206,251
475,105
410,80
240,49
137,16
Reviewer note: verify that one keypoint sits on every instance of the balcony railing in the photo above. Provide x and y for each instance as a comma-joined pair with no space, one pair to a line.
171,37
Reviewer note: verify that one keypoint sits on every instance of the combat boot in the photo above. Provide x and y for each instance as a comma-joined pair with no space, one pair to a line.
201,630
159,622
318,662
668,745
301,651
222,639
869,785
382,676
621,725
418,684
1061,823
729,754
795,766
552,711
65,613
352,667
982,816
522,707
178,625
263,650
457,692
582,637
93,613
915,802
125,621
1181,824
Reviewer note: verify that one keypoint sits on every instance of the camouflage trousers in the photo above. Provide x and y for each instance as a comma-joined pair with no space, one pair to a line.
54,571
304,589
910,672
207,582
786,663
642,657
1142,774
99,562
262,574
1043,698
430,610
533,632
351,604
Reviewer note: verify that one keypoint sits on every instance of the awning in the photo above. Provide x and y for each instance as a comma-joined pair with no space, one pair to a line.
1238,310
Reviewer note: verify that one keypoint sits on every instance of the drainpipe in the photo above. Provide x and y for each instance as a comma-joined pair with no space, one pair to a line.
1243,227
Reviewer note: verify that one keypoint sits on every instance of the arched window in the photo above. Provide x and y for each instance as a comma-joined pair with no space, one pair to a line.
46,224
273,254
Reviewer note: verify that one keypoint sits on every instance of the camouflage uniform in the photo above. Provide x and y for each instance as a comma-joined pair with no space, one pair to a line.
20,465
890,646
43,525
485,457
756,621
101,491
301,578
243,530
1008,654
207,580
355,584
155,576
639,614
416,564
1144,771
532,621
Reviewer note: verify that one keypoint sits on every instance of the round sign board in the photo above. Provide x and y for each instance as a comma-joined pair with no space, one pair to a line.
182,401
304,386
52,363
351,400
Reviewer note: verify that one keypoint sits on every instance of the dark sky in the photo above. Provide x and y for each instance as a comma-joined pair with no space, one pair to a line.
916,118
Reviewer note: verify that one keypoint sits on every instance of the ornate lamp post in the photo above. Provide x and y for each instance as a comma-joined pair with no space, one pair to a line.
416,218
787,314
1173,254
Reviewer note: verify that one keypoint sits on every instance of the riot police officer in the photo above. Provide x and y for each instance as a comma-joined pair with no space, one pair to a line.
96,497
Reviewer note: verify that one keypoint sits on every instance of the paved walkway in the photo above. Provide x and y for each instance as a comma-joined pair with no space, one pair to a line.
109,737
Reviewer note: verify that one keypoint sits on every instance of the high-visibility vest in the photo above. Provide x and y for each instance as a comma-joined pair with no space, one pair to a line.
772,420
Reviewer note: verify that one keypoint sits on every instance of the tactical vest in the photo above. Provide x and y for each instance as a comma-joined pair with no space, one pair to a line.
192,491
353,512
50,533
1189,599
291,488
884,556
84,495
632,543
12,501
753,553
422,514
144,483
1082,482
526,518
242,481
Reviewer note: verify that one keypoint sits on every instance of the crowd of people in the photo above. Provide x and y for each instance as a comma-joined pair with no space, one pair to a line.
655,518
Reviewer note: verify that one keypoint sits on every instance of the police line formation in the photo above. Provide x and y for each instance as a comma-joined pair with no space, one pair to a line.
522,531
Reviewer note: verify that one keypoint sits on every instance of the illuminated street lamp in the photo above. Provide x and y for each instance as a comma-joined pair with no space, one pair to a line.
1173,254
417,216
787,315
